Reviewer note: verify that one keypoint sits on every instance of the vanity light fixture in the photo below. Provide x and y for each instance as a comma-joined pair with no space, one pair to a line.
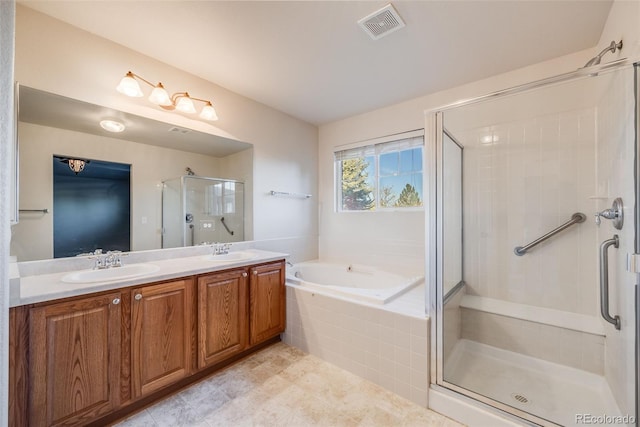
180,101
112,125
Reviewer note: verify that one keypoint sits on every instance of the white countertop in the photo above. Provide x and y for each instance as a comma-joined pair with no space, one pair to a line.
45,287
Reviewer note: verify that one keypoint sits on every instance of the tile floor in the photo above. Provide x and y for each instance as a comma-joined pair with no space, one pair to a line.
282,386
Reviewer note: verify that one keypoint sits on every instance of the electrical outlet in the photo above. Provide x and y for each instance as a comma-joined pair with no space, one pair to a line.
207,225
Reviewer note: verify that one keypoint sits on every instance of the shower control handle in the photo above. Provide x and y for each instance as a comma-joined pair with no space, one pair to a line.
615,214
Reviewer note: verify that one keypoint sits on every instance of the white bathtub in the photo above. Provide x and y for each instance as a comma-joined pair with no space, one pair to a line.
354,281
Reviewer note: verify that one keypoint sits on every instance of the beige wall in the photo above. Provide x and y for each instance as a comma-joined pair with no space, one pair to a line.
59,58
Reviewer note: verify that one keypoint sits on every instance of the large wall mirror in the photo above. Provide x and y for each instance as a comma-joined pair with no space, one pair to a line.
55,131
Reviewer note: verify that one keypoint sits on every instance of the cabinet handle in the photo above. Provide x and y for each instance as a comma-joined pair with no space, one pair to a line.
116,301
255,272
138,297
244,274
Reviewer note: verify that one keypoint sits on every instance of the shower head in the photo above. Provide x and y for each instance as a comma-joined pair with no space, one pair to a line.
611,48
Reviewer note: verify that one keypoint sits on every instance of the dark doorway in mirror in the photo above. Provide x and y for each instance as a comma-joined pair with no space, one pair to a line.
91,206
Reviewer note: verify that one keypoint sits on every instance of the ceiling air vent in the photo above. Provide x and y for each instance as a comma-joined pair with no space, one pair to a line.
381,22
179,130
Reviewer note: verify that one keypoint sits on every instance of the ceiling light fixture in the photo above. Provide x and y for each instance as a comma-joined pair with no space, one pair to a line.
76,165
112,125
180,101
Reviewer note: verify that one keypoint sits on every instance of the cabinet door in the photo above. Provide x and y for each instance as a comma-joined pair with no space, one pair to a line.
222,316
160,335
75,360
267,302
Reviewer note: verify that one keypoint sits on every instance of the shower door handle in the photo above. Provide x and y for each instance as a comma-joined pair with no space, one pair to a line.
604,280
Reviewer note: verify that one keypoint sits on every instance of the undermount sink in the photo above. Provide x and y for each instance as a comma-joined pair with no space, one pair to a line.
108,274
231,256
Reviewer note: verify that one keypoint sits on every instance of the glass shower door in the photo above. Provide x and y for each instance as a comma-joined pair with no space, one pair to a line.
200,210
522,330
216,209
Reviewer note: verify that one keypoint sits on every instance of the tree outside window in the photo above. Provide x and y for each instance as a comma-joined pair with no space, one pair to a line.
357,190
381,176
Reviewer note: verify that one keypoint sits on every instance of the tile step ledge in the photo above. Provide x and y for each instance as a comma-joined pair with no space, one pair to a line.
546,316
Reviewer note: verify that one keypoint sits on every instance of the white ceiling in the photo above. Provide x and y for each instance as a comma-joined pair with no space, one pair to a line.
311,60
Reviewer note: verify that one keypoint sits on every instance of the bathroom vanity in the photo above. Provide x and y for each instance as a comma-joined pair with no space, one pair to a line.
90,354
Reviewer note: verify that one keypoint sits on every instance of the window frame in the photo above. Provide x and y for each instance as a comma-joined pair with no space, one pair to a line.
376,148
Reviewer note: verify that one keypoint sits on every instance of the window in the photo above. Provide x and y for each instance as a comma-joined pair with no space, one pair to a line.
382,175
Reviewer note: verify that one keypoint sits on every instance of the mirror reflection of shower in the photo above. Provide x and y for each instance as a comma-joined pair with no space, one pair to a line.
201,210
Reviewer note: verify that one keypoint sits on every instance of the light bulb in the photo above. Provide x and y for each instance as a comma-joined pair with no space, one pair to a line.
112,125
129,86
159,96
185,104
208,112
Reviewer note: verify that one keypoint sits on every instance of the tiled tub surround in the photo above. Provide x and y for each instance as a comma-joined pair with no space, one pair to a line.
385,344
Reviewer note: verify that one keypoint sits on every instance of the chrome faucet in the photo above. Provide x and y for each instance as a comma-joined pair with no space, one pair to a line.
108,260
221,248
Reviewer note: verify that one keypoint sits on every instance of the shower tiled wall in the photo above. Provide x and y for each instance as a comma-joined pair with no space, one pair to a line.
524,177
615,152
521,180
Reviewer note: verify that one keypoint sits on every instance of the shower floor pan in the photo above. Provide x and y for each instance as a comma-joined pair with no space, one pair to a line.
548,390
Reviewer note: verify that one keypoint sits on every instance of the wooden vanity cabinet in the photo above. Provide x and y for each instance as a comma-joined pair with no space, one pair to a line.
222,316
93,359
267,302
74,360
160,335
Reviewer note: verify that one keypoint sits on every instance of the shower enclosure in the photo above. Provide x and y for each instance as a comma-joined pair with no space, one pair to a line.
535,230
199,210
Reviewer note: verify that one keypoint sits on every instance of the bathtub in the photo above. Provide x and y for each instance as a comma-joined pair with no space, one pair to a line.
357,282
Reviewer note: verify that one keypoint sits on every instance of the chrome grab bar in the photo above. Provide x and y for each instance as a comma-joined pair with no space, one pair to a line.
604,280
44,211
225,226
576,218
